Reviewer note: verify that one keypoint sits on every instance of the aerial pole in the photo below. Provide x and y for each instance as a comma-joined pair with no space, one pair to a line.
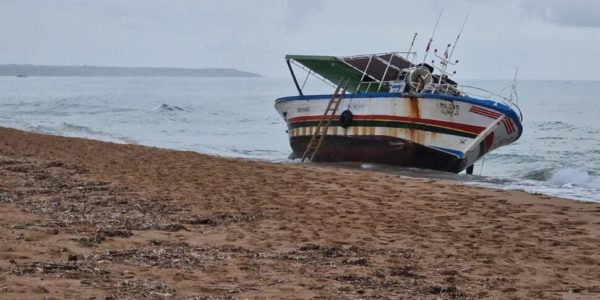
432,34
514,87
458,36
411,45
446,59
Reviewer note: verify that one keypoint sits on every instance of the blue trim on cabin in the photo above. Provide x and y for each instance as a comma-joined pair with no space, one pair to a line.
497,106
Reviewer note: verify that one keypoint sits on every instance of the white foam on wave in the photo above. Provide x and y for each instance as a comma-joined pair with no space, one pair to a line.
541,187
569,177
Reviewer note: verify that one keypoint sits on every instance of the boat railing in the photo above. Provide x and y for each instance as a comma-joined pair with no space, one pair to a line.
477,92
474,92
456,90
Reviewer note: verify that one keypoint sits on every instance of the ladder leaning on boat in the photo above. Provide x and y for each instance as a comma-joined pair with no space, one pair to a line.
321,130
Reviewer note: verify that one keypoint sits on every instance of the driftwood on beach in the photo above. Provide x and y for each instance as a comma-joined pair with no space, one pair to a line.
82,218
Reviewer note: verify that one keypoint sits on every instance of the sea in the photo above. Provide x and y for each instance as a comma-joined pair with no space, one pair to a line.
558,153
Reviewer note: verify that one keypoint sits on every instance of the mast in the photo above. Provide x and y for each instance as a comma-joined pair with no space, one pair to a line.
446,58
458,36
411,45
432,34
514,88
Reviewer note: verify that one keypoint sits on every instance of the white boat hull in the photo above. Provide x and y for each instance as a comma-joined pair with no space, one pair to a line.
431,131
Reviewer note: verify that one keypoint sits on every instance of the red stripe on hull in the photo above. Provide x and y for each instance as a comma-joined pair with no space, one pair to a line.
508,126
484,112
488,142
462,127
512,125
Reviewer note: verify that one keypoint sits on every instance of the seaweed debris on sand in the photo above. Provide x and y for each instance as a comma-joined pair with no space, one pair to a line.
82,218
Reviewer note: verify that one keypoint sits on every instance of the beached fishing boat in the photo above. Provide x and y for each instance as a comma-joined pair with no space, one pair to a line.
387,109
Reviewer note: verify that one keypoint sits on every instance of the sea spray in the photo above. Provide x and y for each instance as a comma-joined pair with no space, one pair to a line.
569,177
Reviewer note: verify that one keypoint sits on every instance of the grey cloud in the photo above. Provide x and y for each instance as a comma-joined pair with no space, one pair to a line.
255,35
299,11
583,13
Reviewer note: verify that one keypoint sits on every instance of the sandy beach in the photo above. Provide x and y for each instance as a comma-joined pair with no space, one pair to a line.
83,219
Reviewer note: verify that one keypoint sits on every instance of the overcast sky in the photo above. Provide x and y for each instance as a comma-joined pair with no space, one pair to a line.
547,39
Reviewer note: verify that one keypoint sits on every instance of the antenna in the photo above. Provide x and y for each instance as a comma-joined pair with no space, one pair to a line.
411,45
458,36
514,86
445,60
432,34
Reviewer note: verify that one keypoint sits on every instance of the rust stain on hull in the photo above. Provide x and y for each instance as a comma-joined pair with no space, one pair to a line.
414,112
413,108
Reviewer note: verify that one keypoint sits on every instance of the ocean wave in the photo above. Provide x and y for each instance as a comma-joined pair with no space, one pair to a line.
264,154
68,129
542,174
563,177
69,106
557,125
39,129
38,113
513,158
167,107
569,177
543,187
72,127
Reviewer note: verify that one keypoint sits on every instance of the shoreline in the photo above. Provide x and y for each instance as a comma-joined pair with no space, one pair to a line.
575,192
82,218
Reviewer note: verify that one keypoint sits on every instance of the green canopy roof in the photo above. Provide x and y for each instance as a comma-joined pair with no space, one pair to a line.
365,73
337,71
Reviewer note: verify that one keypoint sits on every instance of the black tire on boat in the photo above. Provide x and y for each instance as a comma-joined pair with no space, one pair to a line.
346,118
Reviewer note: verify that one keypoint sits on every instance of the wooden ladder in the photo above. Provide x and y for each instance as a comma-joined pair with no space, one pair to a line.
328,116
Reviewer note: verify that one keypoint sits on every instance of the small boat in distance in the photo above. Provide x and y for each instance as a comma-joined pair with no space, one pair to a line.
22,75
388,110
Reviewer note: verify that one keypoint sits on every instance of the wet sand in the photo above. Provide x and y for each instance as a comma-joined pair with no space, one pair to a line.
84,219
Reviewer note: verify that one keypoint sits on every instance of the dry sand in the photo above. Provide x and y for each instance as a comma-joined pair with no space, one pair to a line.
87,219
